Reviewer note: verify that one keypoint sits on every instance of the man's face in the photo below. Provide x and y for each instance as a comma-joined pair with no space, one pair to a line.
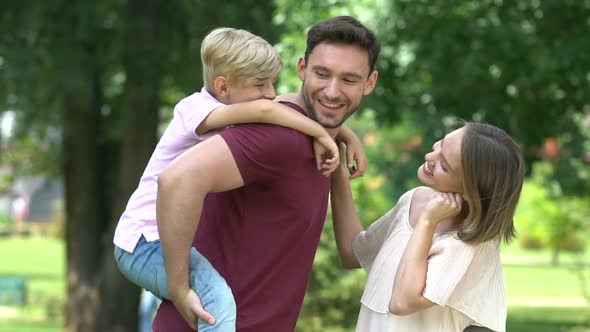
335,79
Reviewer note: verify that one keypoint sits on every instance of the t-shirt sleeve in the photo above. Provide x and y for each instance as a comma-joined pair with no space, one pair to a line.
192,111
367,244
263,152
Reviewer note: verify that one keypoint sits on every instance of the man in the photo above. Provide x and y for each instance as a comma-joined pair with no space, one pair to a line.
261,209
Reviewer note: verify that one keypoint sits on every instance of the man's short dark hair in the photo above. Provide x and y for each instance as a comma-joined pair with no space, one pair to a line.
345,30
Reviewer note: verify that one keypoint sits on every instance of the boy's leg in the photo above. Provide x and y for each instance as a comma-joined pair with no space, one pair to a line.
145,267
148,304
216,296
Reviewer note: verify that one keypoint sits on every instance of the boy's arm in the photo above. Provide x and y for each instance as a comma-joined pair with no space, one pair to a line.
267,111
354,152
259,111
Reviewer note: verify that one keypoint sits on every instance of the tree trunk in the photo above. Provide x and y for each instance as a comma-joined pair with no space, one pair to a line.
555,256
84,216
141,101
99,297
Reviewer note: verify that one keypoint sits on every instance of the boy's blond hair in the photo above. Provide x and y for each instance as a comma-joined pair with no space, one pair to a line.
241,57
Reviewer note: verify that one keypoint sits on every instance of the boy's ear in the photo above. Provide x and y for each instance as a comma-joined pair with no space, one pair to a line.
221,87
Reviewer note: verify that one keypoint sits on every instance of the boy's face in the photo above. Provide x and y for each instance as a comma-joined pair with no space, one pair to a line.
264,89
335,79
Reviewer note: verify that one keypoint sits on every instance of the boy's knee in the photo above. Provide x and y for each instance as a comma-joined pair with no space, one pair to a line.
224,304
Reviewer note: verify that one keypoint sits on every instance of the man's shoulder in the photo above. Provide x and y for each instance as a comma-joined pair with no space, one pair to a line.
269,133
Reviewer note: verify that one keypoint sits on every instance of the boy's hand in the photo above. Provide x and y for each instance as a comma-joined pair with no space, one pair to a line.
191,309
326,154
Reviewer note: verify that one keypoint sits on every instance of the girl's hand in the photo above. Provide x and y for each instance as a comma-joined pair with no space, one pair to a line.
326,154
442,206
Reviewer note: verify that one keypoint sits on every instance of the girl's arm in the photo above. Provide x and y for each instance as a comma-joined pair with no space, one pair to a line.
410,278
355,153
267,111
347,224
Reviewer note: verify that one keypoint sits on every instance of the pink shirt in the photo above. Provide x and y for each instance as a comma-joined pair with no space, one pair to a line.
139,217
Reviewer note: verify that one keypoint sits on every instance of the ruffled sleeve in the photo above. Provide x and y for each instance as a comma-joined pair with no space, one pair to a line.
469,279
367,244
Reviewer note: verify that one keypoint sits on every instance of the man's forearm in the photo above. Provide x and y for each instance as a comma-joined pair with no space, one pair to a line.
206,167
179,207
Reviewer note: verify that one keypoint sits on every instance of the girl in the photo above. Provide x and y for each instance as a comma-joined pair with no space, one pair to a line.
433,261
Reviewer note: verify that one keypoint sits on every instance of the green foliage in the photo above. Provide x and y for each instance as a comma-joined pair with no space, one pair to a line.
545,214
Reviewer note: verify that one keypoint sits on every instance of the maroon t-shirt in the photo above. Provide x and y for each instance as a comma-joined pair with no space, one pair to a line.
262,237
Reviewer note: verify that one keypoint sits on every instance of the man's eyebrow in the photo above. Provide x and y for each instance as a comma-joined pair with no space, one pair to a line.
443,156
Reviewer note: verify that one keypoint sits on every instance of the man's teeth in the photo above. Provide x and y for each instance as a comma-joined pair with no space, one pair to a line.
330,105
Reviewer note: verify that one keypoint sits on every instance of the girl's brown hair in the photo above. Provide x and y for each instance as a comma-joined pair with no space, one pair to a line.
493,172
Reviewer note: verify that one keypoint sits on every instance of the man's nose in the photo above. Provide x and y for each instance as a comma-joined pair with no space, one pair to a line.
332,89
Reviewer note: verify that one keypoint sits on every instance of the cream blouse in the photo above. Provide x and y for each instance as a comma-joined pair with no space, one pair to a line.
464,280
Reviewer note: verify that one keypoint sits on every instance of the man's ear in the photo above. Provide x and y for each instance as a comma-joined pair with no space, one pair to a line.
221,87
301,66
371,82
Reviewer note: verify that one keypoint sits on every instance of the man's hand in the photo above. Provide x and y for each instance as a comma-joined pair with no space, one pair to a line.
356,160
189,306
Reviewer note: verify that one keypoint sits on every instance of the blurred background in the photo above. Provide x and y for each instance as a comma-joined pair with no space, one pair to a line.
86,87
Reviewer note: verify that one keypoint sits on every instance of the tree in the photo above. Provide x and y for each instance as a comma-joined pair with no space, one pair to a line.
101,73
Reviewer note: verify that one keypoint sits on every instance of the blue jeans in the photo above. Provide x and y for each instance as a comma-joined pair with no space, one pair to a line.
148,304
145,268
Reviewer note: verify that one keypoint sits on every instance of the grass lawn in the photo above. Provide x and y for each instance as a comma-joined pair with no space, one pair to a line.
41,261
548,319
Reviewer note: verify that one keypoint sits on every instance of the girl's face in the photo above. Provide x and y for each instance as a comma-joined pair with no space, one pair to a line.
442,169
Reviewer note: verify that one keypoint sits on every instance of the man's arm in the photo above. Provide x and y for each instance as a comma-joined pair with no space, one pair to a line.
347,224
182,187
